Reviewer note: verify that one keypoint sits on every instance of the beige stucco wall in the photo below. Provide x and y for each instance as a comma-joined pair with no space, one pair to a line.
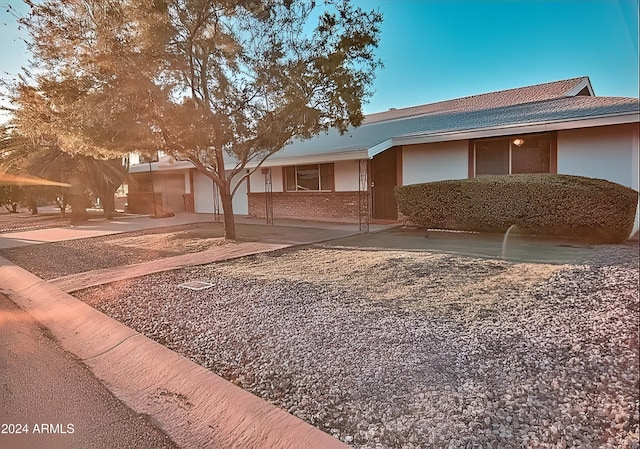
171,184
203,195
435,162
256,180
635,158
346,176
635,167
240,200
606,152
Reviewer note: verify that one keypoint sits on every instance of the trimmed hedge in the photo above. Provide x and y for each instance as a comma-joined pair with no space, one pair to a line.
540,204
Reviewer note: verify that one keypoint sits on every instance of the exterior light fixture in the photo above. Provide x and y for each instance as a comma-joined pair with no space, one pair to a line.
518,142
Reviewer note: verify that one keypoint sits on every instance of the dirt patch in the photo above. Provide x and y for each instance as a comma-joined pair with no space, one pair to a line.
193,239
409,280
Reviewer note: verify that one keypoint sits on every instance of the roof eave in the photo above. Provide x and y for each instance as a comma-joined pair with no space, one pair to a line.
161,166
506,130
313,158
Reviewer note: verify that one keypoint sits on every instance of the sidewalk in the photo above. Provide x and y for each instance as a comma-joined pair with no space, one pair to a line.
100,227
75,282
95,228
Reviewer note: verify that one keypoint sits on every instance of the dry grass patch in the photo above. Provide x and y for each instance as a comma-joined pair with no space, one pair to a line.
466,286
187,241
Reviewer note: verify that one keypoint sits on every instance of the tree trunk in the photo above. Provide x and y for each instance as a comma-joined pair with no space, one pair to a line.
108,205
78,209
62,204
227,209
77,202
33,206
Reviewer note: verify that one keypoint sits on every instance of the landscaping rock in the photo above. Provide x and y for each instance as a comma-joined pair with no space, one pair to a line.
471,353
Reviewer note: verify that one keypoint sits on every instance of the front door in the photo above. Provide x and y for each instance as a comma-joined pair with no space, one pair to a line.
384,178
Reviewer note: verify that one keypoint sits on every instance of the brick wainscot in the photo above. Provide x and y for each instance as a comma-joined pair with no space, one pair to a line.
327,206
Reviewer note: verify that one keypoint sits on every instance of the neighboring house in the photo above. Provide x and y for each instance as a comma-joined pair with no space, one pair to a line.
558,127
177,187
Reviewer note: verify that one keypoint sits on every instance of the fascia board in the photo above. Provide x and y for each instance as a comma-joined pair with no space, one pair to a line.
379,148
140,168
177,165
617,119
313,159
161,167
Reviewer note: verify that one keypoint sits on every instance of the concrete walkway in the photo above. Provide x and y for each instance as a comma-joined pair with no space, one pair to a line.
96,228
265,238
75,282
515,248
99,227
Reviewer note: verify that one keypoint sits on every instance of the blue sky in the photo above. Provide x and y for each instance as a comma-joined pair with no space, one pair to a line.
441,49
437,49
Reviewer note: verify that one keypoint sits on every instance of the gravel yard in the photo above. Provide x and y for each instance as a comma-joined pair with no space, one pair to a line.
48,217
52,260
397,348
24,221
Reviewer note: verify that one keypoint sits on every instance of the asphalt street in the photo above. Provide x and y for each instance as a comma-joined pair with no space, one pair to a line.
49,399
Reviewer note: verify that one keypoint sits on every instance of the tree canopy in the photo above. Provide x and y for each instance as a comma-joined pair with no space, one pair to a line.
28,161
220,83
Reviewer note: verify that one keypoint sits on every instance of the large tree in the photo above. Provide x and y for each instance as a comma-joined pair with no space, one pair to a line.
219,83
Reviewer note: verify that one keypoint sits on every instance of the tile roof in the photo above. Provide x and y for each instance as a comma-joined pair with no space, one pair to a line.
454,120
527,94
546,111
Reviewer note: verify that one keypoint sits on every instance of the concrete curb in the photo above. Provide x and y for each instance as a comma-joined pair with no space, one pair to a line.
195,407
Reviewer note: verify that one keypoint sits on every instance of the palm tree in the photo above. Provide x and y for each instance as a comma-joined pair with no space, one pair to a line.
103,179
45,159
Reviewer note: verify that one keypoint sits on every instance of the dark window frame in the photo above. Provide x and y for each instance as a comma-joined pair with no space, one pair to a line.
550,162
293,170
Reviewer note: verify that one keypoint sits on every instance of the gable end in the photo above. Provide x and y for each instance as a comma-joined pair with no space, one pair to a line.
583,89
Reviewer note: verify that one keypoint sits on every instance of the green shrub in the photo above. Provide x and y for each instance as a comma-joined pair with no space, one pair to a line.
540,204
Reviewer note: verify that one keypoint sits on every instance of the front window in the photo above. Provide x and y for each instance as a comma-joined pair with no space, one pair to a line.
529,153
309,177
492,157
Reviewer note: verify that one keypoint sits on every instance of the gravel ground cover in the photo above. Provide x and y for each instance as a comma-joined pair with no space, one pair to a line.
405,349
53,260
24,221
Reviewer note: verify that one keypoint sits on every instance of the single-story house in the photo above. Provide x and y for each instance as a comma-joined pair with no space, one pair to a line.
557,127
